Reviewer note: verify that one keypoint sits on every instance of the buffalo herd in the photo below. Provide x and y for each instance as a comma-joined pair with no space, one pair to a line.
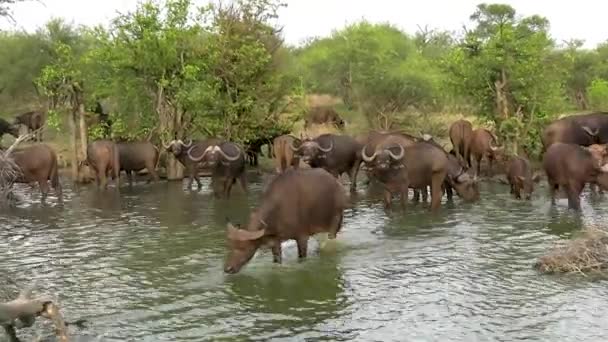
300,202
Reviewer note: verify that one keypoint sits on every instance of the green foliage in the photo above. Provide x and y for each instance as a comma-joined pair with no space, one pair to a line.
598,94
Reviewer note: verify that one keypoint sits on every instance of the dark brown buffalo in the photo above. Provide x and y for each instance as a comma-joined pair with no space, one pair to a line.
7,128
296,205
103,158
180,150
483,143
226,160
136,156
520,177
457,177
460,136
582,129
337,154
572,166
38,163
386,165
323,115
283,154
33,120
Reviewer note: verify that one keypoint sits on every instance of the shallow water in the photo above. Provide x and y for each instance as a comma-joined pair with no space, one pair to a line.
146,265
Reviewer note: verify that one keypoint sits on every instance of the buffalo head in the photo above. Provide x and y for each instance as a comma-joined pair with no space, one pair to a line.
213,155
243,244
177,147
466,187
310,150
385,158
528,184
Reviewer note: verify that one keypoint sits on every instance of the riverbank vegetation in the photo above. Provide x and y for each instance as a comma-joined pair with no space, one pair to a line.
587,253
172,70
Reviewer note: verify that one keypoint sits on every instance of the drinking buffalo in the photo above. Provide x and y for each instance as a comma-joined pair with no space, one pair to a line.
33,120
520,177
386,165
296,205
283,154
227,162
460,136
584,130
7,128
180,150
572,166
38,163
103,157
337,154
483,144
323,115
136,156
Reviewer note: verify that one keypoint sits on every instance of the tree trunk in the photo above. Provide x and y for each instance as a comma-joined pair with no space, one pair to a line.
73,145
502,101
84,138
167,124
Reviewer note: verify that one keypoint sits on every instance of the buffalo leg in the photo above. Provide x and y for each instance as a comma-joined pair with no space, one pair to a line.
302,243
130,177
44,188
416,197
516,191
153,174
448,191
574,192
478,159
552,189
243,182
425,194
436,192
352,174
228,185
103,182
387,198
276,252
403,192
336,225
490,166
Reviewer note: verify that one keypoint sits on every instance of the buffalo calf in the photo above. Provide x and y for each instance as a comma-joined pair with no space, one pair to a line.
520,177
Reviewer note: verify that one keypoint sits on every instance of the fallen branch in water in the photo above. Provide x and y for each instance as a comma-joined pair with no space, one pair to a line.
23,311
585,254
9,171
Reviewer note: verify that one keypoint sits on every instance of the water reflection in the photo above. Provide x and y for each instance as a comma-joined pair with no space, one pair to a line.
146,264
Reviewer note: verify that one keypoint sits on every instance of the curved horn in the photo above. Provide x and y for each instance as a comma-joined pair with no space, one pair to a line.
397,156
188,144
219,149
236,234
197,159
331,147
293,148
365,157
169,145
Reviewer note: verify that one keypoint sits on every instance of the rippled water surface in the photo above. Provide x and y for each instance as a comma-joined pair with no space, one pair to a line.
146,265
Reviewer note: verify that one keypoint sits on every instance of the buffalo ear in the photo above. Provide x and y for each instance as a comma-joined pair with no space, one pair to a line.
236,234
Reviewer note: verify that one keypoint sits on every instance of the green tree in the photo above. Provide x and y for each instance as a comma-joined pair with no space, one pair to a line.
598,94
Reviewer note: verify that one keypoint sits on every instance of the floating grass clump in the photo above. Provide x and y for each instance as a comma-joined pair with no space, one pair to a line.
587,253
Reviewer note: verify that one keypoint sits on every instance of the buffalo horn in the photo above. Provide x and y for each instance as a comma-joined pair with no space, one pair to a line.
365,157
238,155
236,234
590,132
331,146
197,159
293,148
188,144
397,156
169,145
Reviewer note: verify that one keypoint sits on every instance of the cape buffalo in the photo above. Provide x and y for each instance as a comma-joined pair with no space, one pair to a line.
337,154
180,150
38,163
296,205
321,115
33,120
136,156
386,165
7,128
572,166
227,163
520,177
582,129
283,154
103,157
483,144
460,136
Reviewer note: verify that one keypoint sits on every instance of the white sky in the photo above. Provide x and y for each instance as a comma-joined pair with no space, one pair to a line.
582,19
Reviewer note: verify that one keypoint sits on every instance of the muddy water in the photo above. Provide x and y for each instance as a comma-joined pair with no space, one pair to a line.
146,265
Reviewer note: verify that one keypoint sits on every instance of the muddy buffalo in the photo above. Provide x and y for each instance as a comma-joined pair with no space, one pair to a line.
180,149
38,163
460,135
8,128
33,121
520,177
136,156
484,143
337,154
296,205
226,161
323,115
283,154
582,129
103,157
572,166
